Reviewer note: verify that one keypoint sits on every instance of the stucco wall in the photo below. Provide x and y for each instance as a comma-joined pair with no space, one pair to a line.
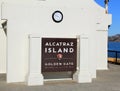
35,17
2,51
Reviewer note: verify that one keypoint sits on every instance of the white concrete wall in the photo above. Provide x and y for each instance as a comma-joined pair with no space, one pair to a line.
35,17
101,37
3,46
102,50
0,9
2,51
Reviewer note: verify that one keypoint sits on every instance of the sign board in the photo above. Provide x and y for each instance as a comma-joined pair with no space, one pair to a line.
59,54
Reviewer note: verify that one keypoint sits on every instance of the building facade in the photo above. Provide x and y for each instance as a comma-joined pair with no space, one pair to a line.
25,23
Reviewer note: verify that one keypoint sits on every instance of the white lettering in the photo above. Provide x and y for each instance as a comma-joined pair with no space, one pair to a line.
71,43
65,50
53,44
59,44
49,50
60,50
54,50
45,50
71,50
46,44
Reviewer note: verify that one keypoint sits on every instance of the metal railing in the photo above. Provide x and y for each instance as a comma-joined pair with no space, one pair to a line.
116,55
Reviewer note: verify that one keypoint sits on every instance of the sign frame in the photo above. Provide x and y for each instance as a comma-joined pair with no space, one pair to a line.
59,54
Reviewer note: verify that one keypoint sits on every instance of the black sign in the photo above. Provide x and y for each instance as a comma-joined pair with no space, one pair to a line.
59,54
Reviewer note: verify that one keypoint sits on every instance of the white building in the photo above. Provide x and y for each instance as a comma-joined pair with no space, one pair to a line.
28,21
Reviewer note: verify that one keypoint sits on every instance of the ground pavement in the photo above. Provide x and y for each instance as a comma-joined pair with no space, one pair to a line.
106,81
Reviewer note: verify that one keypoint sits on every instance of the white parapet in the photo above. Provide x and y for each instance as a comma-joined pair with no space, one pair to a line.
35,76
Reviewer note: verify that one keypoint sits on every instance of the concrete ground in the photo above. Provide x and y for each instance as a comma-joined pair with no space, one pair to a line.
106,81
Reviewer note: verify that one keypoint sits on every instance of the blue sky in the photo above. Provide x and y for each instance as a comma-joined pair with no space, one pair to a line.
114,9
